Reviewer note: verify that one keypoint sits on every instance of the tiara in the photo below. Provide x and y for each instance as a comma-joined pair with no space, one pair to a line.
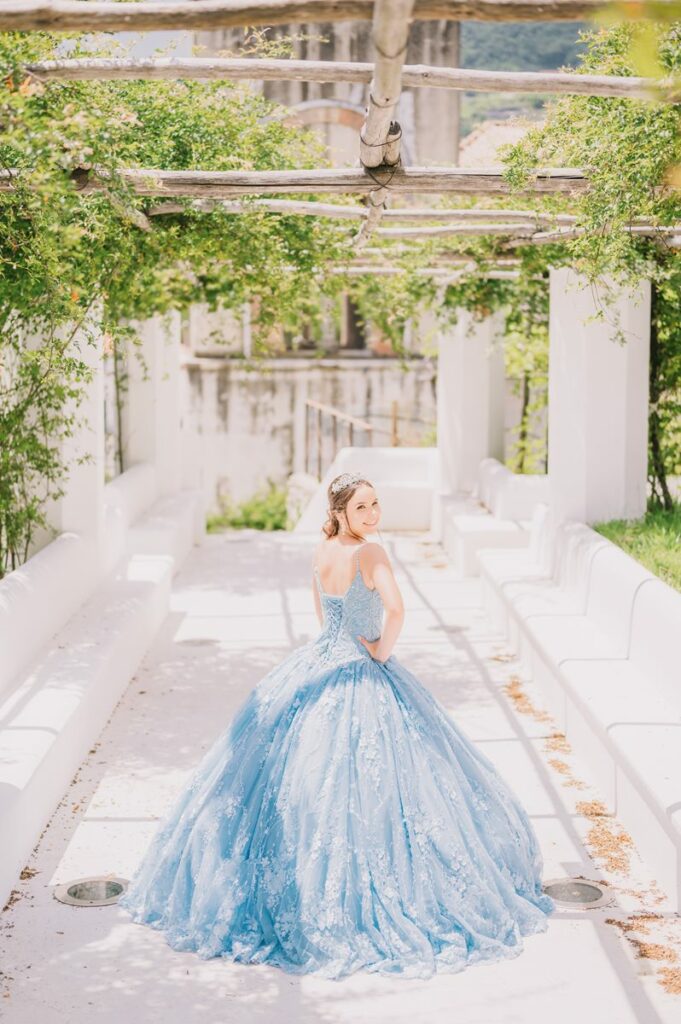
344,480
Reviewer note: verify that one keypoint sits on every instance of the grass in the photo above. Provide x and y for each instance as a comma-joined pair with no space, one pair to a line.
654,540
265,510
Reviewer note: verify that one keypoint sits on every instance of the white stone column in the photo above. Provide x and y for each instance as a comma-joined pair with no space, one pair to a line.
81,508
152,408
299,414
209,436
598,398
246,330
470,399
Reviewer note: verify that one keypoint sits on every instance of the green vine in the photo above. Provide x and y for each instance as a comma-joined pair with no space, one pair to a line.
69,255
66,251
631,151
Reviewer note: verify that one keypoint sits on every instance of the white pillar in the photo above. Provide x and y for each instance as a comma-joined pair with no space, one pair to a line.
598,398
209,435
299,416
81,508
470,399
246,330
152,416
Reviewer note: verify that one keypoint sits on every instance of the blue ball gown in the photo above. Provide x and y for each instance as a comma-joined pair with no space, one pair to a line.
342,821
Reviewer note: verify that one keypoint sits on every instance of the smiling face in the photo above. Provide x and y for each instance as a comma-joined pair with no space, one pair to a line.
363,511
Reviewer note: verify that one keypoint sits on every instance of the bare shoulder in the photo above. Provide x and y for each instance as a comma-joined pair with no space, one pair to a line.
372,555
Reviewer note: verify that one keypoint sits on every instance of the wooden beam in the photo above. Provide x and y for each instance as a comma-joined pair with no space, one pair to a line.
567,234
339,181
444,258
416,214
438,263
522,224
439,273
284,206
231,184
442,231
412,215
414,76
147,15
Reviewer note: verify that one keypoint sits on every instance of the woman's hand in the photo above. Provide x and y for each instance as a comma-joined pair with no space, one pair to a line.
373,647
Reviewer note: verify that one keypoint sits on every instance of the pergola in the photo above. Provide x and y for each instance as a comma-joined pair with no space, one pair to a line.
380,172
147,519
591,486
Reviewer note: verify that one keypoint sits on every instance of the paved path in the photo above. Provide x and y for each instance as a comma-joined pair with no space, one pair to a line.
62,964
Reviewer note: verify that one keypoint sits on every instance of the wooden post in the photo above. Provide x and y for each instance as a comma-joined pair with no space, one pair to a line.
380,137
394,437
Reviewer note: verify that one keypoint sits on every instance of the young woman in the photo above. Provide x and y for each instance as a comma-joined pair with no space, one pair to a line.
342,820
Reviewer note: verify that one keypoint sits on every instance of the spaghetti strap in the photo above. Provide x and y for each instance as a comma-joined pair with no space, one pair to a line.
359,548
315,573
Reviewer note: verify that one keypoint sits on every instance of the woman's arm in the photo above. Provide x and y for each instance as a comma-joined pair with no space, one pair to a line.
317,601
385,583
315,590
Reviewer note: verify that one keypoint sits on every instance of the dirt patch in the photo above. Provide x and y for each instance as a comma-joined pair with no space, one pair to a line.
522,703
557,741
670,980
611,844
636,923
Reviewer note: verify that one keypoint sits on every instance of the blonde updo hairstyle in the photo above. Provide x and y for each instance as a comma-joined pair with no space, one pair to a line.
338,502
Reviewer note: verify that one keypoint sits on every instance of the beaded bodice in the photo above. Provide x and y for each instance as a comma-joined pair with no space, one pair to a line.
359,611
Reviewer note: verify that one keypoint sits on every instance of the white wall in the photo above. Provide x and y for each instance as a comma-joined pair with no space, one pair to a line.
252,423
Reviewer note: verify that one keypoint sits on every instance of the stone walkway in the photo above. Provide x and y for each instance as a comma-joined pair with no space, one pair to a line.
63,964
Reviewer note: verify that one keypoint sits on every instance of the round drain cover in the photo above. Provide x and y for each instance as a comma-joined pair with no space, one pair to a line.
98,891
576,892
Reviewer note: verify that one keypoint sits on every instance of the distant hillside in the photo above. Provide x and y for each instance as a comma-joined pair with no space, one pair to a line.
509,46
512,46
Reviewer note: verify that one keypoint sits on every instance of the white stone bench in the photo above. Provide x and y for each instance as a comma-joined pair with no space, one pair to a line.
497,514
626,716
510,495
57,705
467,526
598,632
